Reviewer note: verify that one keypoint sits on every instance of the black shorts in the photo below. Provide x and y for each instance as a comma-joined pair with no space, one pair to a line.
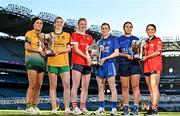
150,73
129,69
84,70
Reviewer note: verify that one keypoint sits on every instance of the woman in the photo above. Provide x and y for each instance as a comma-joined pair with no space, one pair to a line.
129,69
35,64
59,64
153,66
106,70
81,66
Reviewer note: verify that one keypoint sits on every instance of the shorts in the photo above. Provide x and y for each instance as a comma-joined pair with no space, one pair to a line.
85,70
129,69
150,73
106,70
36,68
57,70
35,62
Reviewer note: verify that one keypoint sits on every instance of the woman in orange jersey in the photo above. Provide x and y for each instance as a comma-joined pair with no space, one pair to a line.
153,67
35,64
81,66
59,64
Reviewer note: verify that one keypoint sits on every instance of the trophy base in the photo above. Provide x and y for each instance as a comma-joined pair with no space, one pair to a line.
48,54
136,57
94,63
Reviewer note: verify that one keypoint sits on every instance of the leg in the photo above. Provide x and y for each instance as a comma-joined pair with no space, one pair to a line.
76,78
112,86
154,83
125,89
135,87
32,77
84,89
147,78
52,89
101,87
65,76
39,82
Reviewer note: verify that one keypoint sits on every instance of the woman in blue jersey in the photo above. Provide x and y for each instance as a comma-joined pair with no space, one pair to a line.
106,70
129,69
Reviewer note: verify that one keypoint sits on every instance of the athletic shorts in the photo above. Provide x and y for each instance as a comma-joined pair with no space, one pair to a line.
129,69
82,69
150,73
58,70
106,70
36,68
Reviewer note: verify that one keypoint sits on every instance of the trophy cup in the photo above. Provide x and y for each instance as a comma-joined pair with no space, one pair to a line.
49,41
137,47
95,53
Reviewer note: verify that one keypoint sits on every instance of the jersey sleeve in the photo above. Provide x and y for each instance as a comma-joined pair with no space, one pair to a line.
73,39
159,45
28,37
116,43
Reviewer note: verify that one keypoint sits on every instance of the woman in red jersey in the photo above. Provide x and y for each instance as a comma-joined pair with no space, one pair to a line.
153,66
81,66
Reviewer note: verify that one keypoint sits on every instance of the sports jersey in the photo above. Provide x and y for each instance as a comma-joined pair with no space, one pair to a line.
109,44
83,41
108,68
155,63
34,58
61,41
125,48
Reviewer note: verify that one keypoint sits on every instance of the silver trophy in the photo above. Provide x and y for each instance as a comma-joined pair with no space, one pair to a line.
95,53
49,42
137,47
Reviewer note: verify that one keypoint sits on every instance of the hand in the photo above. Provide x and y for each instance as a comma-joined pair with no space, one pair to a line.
144,58
88,58
57,53
42,53
101,62
129,57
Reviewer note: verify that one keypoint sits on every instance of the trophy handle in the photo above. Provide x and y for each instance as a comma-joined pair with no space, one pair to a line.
141,48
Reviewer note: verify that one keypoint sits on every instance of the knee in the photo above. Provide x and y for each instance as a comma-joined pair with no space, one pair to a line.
32,86
125,88
66,86
135,87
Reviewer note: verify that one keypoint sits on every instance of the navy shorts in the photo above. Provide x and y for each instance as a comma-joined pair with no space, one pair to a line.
84,70
106,70
129,69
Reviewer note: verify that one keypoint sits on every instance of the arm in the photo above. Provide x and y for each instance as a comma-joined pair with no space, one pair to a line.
151,55
65,50
30,49
114,54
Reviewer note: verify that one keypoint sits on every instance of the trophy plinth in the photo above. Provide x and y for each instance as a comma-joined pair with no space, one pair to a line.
49,41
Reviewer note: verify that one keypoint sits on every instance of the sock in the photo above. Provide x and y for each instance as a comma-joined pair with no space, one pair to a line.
82,105
74,104
101,104
34,105
113,104
155,107
28,105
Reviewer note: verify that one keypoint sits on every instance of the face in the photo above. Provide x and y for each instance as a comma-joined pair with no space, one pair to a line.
82,26
59,23
105,30
128,28
38,24
150,31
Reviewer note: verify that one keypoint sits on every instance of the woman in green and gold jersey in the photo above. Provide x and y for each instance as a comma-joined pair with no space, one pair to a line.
35,64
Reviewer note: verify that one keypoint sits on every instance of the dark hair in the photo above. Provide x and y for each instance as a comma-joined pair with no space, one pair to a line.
81,19
127,23
106,24
33,21
153,25
57,19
